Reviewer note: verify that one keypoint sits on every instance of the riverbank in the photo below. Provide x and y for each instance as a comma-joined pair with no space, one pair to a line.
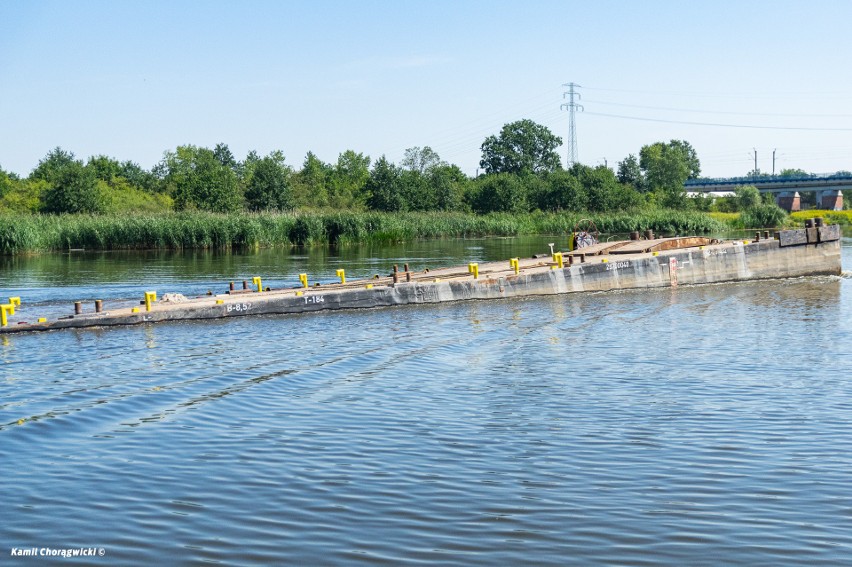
22,234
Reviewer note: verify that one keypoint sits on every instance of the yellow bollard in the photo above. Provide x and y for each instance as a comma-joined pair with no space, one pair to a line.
515,264
369,286
4,310
256,281
150,297
15,301
557,257
304,279
341,273
473,268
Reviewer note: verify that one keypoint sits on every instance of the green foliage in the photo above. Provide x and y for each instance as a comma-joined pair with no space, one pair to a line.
423,160
199,180
347,181
73,189
449,185
385,189
22,195
794,172
763,216
310,184
522,147
123,198
746,197
49,168
666,167
500,192
268,186
563,192
630,173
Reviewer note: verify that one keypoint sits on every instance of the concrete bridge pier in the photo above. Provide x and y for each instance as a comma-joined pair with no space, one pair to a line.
830,200
790,201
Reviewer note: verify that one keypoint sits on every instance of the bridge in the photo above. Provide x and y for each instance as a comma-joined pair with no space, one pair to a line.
828,188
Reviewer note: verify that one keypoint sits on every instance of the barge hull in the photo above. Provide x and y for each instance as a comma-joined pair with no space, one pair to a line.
785,257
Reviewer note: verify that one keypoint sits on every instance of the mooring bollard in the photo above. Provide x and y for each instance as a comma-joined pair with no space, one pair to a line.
557,257
256,281
473,268
634,235
304,279
99,305
818,222
515,264
649,234
150,297
757,236
245,284
809,223
231,286
395,273
4,311
78,307
766,235
341,273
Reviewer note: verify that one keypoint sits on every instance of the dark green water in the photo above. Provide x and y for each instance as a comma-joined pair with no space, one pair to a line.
696,426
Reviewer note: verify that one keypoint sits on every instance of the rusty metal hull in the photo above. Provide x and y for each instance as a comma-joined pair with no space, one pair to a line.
723,262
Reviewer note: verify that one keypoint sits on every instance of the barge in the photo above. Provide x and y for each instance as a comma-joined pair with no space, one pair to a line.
597,266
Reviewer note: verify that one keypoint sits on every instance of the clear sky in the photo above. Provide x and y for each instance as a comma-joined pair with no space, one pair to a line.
133,79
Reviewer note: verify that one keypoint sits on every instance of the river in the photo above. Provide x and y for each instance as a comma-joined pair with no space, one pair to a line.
700,425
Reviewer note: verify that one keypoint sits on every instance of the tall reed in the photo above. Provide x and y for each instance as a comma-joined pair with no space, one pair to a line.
38,233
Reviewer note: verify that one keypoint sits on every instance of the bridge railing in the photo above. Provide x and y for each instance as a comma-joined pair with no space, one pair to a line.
763,179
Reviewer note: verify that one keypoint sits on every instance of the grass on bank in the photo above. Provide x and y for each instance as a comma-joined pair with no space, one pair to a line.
843,218
41,233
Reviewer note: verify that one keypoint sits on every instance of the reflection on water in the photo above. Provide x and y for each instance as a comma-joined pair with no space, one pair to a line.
702,425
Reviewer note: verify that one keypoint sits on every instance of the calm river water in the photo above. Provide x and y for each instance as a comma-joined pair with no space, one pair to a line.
702,425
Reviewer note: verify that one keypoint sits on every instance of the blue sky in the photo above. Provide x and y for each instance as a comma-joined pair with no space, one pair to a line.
133,79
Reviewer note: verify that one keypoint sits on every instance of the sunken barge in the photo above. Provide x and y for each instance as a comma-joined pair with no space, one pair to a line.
637,263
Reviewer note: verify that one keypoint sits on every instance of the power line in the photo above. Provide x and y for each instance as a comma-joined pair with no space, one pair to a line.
607,103
719,125
572,106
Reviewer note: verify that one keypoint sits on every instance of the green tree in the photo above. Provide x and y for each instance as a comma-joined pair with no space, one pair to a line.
74,189
666,167
422,160
746,197
348,179
310,184
630,173
500,192
268,186
140,178
49,168
105,168
448,184
199,180
384,187
521,147
564,192
794,173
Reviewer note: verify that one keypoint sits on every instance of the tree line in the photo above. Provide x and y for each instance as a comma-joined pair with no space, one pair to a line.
522,173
